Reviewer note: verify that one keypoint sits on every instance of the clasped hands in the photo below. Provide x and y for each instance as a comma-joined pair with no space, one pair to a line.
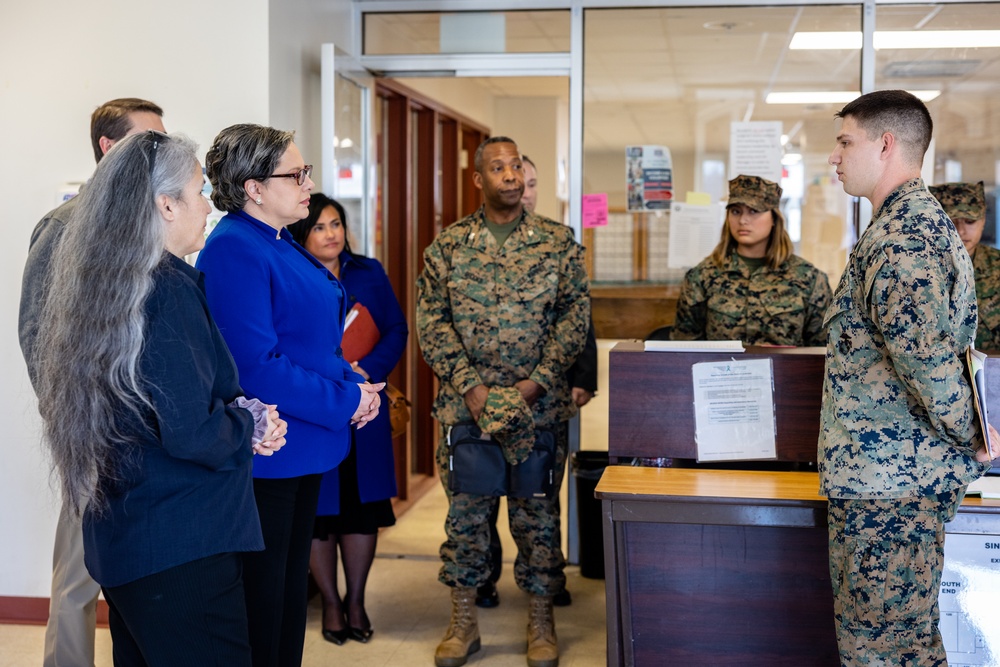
475,398
369,404
274,436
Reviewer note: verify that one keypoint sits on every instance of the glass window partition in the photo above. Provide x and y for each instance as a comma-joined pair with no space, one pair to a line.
952,52
686,79
466,32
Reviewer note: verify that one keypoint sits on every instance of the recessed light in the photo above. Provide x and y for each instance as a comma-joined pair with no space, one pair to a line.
726,25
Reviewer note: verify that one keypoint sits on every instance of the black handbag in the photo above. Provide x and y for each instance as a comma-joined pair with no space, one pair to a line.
535,476
476,465
475,462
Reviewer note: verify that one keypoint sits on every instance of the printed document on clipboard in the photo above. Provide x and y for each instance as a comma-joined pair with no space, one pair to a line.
975,362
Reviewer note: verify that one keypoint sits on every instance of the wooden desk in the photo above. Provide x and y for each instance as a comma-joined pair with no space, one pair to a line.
713,567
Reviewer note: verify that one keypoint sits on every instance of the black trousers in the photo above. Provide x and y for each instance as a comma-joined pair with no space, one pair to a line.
276,579
192,614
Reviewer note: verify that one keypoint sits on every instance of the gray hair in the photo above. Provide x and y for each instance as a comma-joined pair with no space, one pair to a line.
240,153
93,320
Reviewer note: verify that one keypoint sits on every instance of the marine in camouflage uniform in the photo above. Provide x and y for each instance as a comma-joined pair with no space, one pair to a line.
490,315
783,306
898,438
752,288
986,264
965,204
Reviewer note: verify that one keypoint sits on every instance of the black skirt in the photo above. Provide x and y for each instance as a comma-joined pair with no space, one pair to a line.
355,516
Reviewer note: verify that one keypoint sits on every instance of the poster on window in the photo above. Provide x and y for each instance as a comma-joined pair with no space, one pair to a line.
755,149
649,178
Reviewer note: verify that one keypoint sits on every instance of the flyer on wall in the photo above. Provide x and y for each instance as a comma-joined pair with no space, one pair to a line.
649,178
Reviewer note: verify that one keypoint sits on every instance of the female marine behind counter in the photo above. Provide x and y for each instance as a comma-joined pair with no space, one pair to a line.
752,288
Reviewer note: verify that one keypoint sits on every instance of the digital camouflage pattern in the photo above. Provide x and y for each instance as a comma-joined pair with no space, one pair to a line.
967,201
783,306
961,200
534,524
886,560
495,315
508,419
758,193
897,417
986,265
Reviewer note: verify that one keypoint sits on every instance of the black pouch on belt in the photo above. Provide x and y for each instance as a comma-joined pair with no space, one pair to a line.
475,462
535,476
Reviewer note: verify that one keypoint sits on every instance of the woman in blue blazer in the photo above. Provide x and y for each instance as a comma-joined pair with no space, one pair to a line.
355,497
281,313
144,413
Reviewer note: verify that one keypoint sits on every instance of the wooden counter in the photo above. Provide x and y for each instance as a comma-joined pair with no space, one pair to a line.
622,312
714,567
730,567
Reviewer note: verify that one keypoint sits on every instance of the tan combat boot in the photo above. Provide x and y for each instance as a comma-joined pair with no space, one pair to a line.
542,649
462,638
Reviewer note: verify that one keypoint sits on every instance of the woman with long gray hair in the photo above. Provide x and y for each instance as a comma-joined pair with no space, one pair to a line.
143,413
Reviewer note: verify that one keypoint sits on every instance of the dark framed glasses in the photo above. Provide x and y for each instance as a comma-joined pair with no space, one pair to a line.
300,176
155,138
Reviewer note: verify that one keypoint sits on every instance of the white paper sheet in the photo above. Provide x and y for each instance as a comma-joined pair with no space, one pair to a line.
734,410
694,233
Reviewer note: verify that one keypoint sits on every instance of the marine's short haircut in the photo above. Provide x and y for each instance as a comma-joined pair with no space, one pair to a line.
898,112
478,161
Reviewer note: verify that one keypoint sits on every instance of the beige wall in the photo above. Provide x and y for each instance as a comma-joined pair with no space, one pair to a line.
209,65
533,122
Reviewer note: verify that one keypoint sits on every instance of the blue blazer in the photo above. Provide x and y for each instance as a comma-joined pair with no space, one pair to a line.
187,492
366,282
282,314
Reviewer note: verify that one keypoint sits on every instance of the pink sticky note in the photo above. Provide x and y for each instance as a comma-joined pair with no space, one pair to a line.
595,210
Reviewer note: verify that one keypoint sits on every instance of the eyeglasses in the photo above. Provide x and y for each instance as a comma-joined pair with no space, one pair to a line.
155,139
300,176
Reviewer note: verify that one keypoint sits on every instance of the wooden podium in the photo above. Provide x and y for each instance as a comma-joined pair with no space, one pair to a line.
721,567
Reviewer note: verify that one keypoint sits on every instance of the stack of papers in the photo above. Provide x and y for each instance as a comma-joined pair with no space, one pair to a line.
987,486
718,346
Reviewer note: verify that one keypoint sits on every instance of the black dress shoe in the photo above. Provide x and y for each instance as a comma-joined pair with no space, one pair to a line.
562,598
337,637
486,595
359,635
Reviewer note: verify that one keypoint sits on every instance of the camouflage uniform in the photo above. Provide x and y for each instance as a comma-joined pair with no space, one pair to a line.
986,264
968,201
783,306
494,316
898,438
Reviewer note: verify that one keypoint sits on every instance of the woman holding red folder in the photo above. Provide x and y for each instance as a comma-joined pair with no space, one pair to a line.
355,497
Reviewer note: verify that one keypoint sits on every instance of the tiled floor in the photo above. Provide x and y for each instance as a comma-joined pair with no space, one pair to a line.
409,609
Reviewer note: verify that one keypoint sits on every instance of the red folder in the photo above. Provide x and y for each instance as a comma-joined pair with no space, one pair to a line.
360,333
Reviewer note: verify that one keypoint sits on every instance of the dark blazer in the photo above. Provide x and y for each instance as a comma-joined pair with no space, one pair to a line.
583,372
282,315
44,241
366,282
185,490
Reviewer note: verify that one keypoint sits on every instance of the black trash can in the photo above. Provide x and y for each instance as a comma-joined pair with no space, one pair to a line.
587,470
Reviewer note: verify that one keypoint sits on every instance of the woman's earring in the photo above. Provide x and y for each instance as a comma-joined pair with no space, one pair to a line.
258,201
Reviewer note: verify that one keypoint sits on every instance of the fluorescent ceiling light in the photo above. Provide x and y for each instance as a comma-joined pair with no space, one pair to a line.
813,97
833,96
898,39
